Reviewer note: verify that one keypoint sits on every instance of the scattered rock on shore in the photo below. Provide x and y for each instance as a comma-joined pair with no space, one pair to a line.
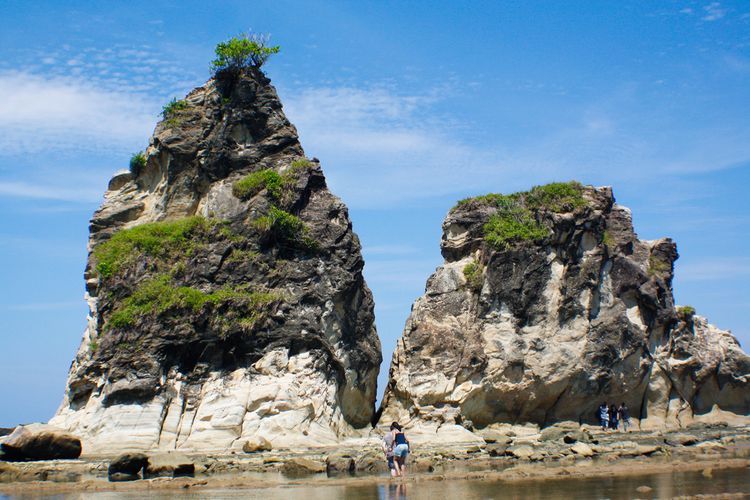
169,465
299,466
257,444
340,462
127,467
44,444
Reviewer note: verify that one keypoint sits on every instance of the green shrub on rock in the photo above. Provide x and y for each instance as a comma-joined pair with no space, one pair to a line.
686,311
285,228
473,275
243,51
173,107
137,163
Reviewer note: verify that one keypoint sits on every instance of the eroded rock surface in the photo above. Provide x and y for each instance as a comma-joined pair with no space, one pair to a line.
224,313
545,325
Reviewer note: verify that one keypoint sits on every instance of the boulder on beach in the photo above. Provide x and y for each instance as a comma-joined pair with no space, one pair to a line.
169,465
257,444
127,464
40,444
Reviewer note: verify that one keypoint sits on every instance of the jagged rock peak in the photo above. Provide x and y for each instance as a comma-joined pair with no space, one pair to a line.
225,289
548,304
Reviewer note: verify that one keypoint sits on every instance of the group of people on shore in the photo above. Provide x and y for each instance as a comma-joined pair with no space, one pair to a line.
610,417
396,448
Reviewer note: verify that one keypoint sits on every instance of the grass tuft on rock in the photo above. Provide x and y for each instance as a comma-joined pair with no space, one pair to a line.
473,275
556,197
656,266
518,214
280,187
254,183
158,295
156,239
286,228
686,311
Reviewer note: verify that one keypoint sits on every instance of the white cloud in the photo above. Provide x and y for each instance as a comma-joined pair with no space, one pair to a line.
714,12
42,114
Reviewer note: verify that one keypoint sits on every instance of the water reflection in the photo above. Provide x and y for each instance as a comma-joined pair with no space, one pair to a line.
392,491
668,485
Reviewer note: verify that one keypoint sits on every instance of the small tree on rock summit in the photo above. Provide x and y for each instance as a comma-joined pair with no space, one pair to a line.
241,52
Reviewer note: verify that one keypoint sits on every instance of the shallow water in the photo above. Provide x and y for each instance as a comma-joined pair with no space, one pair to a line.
665,485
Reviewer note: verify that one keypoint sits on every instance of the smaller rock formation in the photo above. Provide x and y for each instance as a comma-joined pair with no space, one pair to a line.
41,443
548,304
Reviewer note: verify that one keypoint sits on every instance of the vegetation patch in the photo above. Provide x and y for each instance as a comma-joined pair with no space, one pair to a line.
156,239
286,228
254,183
137,163
686,311
241,52
473,275
173,111
556,197
280,187
607,239
517,217
158,295
656,266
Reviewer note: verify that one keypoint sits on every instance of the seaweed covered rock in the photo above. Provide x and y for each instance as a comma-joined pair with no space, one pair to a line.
548,304
225,290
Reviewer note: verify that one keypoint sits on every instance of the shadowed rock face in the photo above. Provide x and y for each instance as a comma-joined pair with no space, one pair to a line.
247,316
545,330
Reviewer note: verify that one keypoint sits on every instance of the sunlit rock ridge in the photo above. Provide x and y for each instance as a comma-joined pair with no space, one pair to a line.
548,304
225,290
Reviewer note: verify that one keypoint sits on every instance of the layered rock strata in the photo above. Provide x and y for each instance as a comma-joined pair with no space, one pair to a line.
548,304
225,290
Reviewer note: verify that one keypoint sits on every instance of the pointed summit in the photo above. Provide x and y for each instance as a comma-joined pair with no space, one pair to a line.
225,289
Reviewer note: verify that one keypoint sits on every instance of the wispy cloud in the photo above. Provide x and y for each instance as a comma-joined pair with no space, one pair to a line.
46,114
50,192
381,147
714,11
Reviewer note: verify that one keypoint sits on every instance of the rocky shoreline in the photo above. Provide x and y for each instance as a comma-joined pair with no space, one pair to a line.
565,450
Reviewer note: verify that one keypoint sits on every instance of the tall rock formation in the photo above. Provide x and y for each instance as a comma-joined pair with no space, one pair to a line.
548,304
225,290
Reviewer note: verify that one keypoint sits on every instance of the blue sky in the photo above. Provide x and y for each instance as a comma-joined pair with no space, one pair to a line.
408,105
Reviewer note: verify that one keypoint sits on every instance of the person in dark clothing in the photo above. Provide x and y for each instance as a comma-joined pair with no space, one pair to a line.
624,414
613,419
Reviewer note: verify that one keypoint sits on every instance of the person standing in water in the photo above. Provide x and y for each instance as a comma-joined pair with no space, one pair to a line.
388,448
400,450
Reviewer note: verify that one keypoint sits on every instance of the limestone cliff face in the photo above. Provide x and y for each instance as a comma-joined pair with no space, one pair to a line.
222,310
548,304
